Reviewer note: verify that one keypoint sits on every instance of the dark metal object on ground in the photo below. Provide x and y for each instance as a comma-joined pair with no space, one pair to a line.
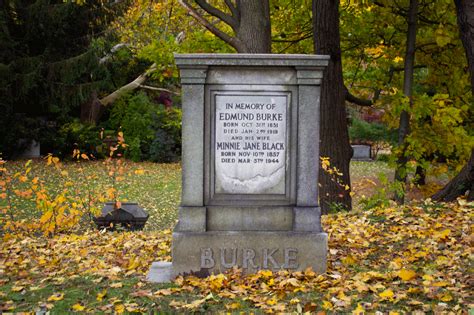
129,215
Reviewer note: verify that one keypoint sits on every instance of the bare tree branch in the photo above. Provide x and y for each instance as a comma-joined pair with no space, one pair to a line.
112,51
359,101
154,88
218,14
233,41
112,97
233,9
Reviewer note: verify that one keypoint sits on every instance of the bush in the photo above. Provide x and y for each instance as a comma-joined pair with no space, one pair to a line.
166,147
77,135
151,131
361,131
133,114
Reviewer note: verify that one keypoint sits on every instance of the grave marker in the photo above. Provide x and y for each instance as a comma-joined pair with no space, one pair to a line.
250,164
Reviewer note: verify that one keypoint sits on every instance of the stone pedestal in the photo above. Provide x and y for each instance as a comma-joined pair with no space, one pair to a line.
250,164
361,152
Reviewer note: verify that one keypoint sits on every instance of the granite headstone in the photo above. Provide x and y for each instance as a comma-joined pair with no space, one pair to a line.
250,164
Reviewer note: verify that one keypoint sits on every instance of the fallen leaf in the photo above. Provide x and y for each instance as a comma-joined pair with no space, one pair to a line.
56,297
406,274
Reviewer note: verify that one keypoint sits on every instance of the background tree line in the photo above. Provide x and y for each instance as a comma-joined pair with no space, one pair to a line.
68,69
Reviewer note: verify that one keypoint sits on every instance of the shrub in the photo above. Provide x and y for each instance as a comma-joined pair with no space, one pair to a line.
361,131
77,135
151,131
166,147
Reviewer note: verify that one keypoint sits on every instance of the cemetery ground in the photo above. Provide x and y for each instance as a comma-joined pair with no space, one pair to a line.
382,257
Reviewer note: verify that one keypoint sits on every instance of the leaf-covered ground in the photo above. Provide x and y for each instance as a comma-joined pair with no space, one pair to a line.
399,259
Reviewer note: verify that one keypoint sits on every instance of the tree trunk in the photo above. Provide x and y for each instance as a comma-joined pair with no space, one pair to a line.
465,15
91,110
404,126
465,179
249,19
254,29
333,128
458,186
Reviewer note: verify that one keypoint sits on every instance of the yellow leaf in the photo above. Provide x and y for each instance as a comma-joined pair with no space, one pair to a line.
387,294
359,310
446,297
349,260
139,172
406,275
56,297
398,59
294,301
17,288
133,264
233,306
78,307
272,301
327,305
116,285
441,284
266,273
119,308
442,235
163,292
101,295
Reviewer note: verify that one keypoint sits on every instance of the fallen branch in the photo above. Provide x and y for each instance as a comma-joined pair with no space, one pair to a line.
154,88
112,97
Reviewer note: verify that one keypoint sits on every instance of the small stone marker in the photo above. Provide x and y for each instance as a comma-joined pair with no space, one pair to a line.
361,152
250,164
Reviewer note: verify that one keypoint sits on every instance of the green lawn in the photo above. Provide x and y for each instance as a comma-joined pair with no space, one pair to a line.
157,189
407,258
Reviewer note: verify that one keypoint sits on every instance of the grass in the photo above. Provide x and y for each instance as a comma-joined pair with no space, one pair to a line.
105,272
158,188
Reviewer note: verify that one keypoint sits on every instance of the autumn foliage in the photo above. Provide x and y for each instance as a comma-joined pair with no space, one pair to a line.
404,259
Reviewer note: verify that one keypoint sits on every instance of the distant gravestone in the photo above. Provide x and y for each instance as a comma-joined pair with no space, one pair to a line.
361,152
250,164
29,149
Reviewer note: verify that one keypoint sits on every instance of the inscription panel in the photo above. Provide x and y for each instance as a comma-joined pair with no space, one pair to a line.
249,258
251,143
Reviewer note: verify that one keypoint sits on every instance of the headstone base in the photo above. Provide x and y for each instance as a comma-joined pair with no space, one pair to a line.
160,272
204,253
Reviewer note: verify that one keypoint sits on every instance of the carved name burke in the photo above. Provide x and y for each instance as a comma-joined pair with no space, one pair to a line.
247,258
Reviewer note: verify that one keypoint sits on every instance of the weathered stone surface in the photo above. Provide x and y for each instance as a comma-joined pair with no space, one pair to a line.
160,272
248,161
270,218
307,219
361,152
215,252
192,219
250,164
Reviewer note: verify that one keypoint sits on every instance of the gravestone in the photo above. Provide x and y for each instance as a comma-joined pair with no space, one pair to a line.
361,152
250,164
30,149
